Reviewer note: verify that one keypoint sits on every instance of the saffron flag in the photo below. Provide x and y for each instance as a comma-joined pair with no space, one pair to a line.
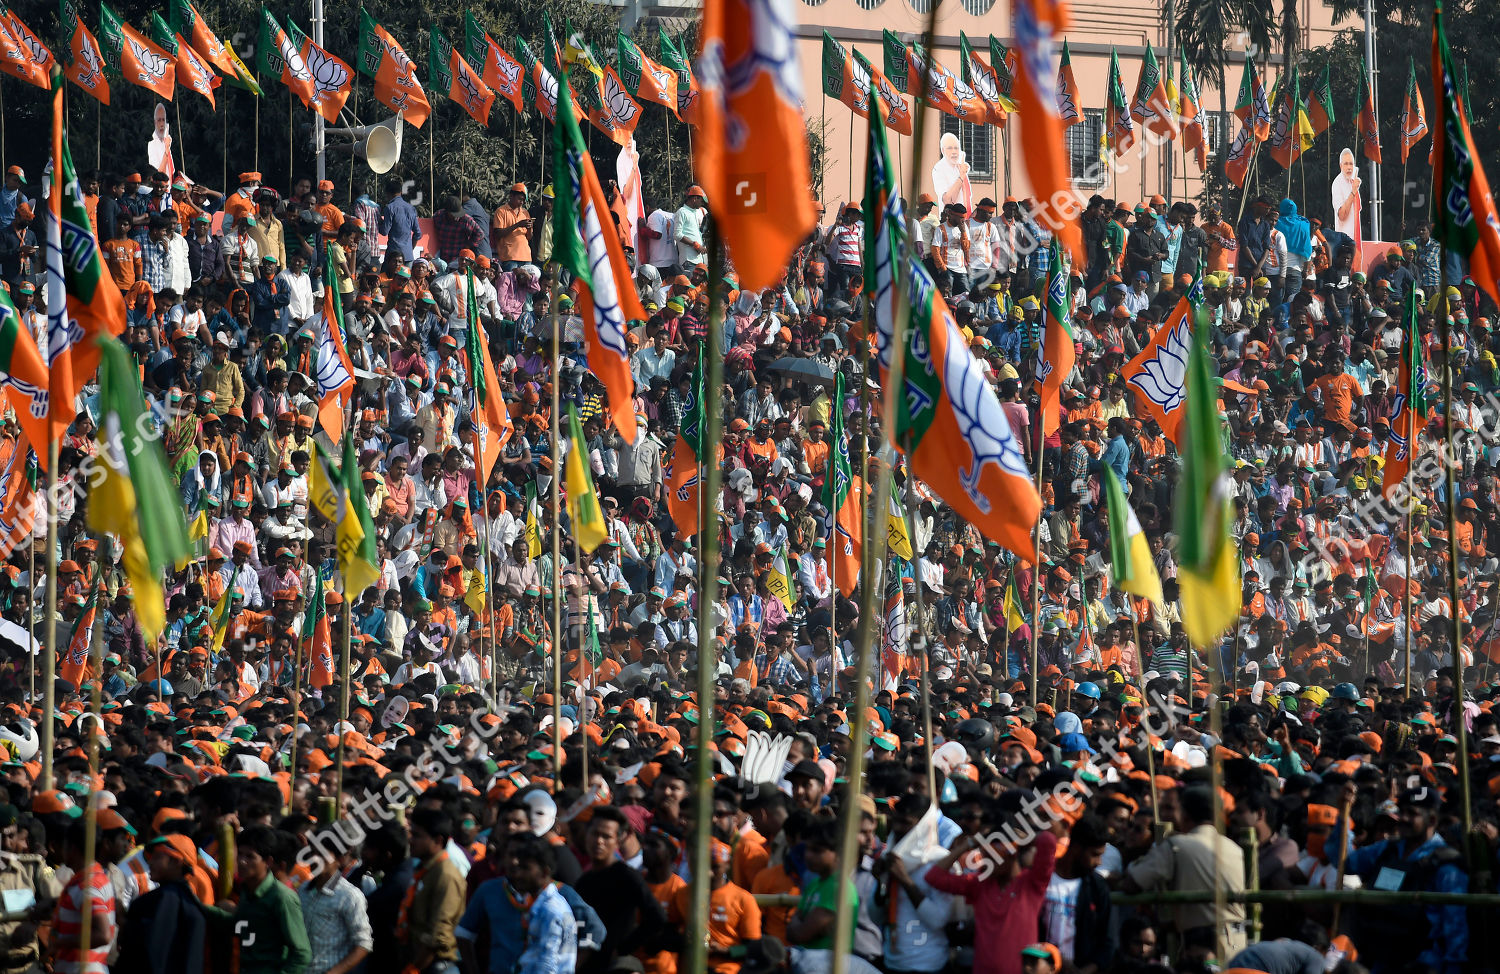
1037,24
76,665
752,156
1151,107
849,78
896,634
1251,105
1369,129
945,91
1188,111
684,470
1463,211
1158,375
689,107
396,86
332,78
984,81
21,54
1056,354
1291,132
22,373
586,244
895,112
587,517
335,370
1130,566
20,504
1067,90
450,75
137,60
1208,572
1413,115
1117,123
1241,154
186,21
1003,63
1320,106
134,497
193,72
277,56
85,63
492,424
83,303
1409,409
644,78
317,636
949,424
843,499
497,69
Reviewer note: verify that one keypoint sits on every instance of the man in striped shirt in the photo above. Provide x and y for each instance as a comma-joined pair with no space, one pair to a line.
88,890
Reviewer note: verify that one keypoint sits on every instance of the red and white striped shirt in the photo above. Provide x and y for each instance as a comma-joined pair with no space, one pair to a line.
69,922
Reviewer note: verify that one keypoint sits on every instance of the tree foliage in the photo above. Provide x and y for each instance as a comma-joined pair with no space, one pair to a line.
274,133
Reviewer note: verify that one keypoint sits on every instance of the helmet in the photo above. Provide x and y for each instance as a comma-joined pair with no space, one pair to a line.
1346,691
22,736
976,732
1090,690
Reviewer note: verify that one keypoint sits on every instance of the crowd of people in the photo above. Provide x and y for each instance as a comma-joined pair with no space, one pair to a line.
1039,743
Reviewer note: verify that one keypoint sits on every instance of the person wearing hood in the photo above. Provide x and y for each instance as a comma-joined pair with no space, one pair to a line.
1298,235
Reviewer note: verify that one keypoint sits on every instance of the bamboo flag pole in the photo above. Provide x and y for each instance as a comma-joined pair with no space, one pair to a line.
296,715
1036,575
559,639
91,806
708,561
290,139
1459,728
874,553
49,654
225,187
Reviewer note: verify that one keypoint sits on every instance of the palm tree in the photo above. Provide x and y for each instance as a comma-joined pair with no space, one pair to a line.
1204,28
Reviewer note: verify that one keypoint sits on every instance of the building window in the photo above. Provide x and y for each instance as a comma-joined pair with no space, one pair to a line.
1215,128
1085,150
978,8
920,6
976,141
869,4
813,3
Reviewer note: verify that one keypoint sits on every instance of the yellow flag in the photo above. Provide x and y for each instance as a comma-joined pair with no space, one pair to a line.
474,596
895,530
220,618
116,494
779,580
198,529
583,502
533,530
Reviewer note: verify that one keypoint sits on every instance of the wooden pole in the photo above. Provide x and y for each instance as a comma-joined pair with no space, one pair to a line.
708,562
181,149
290,155
225,187
1459,728
296,714
559,638
1036,574
91,805
49,654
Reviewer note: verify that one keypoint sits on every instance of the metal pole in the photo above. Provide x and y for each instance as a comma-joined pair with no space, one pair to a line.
1377,203
344,680
318,146
296,714
696,954
49,655
91,808
1036,573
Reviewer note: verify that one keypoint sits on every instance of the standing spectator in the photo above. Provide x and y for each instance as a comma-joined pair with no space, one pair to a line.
337,928
266,922
435,901
687,229
510,230
398,220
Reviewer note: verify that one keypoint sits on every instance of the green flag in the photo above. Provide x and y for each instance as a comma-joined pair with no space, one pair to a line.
837,479
363,567
897,67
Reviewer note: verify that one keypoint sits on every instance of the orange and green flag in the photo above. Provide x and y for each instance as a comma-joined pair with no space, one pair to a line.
22,373
492,423
1463,211
276,55
644,78
1118,126
586,244
332,78
135,58
84,62
1251,105
1189,110
79,291
1413,115
451,75
1055,357
186,21
396,85
497,69
1320,107
1369,129
21,54
985,81
1038,24
1067,90
1151,107
673,57
193,72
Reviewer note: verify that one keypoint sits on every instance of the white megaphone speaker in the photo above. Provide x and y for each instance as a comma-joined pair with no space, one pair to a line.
379,144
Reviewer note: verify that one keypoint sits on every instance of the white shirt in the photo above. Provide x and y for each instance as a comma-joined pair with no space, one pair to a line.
299,294
179,274
663,250
687,230
983,238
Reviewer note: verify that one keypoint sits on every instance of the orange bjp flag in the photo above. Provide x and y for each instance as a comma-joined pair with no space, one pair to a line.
85,67
751,155
144,64
1037,23
189,23
21,54
396,86
451,74
1158,375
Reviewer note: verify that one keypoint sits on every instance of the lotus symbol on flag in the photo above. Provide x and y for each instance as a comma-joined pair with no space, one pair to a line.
663,78
472,98
328,73
293,59
93,68
403,63
507,70
39,54
549,88
1163,376
984,84
980,419
153,66
622,108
